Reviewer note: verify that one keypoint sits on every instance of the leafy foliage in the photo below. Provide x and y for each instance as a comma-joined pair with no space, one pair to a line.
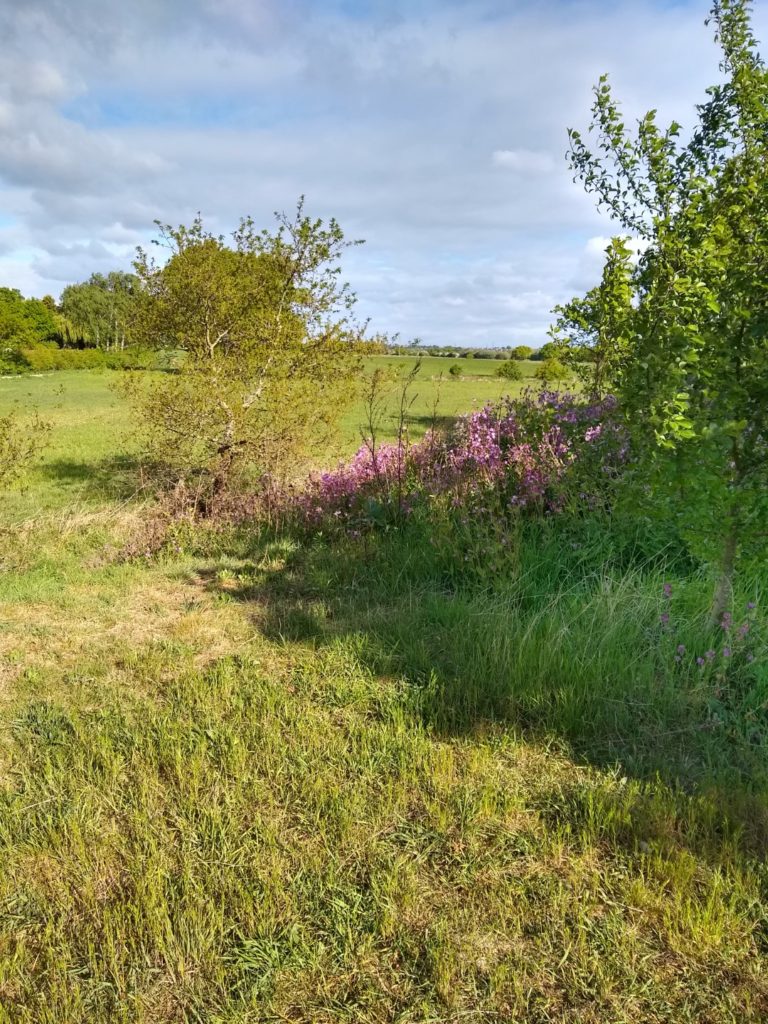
682,338
23,322
270,345
552,371
98,312
510,371
20,443
521,352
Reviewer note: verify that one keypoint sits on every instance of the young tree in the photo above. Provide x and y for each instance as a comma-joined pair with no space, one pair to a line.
510,370
552,371
595,332
20,444
270,345
687,347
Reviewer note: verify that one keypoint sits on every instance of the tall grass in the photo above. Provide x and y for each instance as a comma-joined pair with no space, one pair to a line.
569,639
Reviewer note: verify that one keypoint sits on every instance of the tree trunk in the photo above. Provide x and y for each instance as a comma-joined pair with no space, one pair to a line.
724,587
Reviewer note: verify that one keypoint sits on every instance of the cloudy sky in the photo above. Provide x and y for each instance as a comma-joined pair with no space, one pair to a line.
434,129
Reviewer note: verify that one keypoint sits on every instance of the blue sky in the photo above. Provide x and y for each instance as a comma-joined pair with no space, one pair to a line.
434,130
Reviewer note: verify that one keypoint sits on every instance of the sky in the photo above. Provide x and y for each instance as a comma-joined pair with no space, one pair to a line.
436,130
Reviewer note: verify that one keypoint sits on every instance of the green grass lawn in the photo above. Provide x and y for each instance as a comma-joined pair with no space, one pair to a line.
271,779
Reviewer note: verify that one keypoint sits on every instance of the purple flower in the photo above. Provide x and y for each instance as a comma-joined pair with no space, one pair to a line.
681,648
522,447
700,662
726,652
750,605
664,618
667,590
709,655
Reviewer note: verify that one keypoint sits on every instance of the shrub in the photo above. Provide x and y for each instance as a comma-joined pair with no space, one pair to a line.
509,371
47,356
536,454
552,371
455,370
20,443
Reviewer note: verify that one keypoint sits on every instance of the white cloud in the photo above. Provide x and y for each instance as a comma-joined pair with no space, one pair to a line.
525,161
435,131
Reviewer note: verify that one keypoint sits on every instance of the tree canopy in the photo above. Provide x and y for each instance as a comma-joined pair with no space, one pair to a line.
100,311
270,343
681,336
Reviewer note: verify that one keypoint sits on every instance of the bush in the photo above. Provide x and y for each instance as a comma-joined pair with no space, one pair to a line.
510,371
552,371
271,350
521,352
20,443
455,370
549,350
47,356
537,455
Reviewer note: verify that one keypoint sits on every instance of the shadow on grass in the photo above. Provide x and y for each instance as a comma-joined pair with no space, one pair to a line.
463,669
282,606
116,478
428,422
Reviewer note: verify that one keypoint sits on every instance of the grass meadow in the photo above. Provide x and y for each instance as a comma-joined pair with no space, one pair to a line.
266,778
89,459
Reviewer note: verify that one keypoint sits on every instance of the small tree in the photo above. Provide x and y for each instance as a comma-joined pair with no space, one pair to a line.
552,371
270,346
549,350
20,444
682,338
509,371
455,370
596,331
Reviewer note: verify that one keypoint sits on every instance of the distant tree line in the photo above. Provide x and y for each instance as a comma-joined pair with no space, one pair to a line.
102,314
99,312
91,325
96,313
520,352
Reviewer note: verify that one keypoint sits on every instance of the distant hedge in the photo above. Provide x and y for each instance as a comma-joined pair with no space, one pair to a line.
47,356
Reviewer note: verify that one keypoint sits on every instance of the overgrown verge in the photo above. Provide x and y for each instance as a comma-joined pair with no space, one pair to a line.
422,760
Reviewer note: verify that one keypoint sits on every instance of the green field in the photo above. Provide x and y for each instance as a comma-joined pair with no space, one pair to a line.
258,778
88,459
